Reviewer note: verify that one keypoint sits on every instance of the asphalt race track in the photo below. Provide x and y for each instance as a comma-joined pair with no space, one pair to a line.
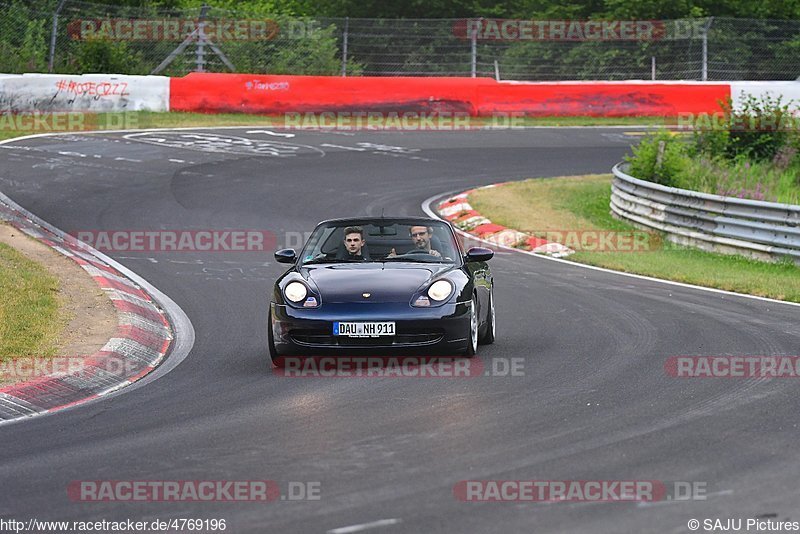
594,401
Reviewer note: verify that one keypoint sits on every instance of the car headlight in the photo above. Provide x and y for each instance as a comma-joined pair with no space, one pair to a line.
440,290
295,291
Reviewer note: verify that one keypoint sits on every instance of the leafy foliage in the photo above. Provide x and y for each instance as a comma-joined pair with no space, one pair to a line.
660,158
754,49
748,152
96,55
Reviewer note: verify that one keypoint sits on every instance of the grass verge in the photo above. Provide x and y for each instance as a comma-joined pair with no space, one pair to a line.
30,321
10,128
571,207
684,162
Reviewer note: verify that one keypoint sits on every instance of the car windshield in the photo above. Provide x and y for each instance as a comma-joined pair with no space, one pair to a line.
379,241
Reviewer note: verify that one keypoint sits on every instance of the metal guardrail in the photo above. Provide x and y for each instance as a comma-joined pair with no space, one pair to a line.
763,230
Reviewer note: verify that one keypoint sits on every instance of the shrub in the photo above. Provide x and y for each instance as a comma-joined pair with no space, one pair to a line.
315,53
757,130
29,54
752,152
99,55
660,158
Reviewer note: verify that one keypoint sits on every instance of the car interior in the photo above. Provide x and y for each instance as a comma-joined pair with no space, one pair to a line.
379,242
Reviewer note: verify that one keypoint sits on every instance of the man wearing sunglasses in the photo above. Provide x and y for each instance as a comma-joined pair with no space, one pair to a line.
421,236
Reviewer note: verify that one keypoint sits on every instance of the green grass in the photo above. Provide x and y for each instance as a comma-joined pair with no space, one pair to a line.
582,204
594,121
142,120
175,119
754,180
687,165
29,310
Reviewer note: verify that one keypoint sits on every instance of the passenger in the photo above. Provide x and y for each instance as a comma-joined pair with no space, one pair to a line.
354,244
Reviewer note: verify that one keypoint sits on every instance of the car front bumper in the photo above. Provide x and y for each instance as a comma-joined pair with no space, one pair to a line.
440,330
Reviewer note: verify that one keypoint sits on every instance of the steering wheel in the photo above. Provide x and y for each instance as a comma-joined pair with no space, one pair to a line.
417,251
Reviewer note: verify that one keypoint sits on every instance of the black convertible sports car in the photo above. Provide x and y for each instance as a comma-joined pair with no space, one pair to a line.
382,284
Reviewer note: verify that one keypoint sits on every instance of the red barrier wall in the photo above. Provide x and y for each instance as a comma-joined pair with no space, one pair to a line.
275,94
601,99
279,94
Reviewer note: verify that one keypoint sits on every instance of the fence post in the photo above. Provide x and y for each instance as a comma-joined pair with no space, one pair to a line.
707,27
201,38
52,58
653,68
345,37
474,39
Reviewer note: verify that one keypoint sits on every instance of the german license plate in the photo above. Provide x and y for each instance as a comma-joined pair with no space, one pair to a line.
371,329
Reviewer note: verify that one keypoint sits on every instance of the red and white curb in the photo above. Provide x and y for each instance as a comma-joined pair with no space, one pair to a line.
143,338
462,215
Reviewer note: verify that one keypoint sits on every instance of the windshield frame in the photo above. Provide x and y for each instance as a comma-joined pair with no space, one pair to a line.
324,230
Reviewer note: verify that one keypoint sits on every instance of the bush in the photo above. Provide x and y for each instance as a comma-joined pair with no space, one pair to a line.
758,130
99,55
750,152
660,158
28,54
315,53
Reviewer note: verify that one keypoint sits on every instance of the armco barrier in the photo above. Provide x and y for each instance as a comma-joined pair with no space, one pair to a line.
88,93
476,96
763,230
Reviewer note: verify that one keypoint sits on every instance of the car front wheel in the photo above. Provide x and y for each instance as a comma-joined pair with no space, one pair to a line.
273,352
472,342
488,335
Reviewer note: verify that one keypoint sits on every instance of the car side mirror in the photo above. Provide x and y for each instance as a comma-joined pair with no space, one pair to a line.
478,254
286,255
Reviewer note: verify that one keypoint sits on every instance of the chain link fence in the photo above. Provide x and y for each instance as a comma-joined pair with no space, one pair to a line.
69,36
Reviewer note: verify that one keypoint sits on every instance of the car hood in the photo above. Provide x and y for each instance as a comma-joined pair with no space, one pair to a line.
385,282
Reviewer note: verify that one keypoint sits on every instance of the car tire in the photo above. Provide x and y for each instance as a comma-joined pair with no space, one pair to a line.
489,334
472,340
276,360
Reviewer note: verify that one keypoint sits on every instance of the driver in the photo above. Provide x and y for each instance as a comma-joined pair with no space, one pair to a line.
421,237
